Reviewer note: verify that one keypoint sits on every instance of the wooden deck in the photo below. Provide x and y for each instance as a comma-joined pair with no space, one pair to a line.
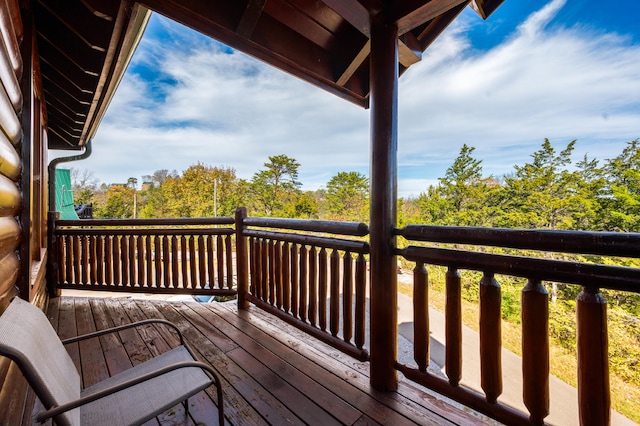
272,373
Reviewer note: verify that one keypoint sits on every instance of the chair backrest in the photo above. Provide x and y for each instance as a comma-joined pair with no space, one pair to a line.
27,337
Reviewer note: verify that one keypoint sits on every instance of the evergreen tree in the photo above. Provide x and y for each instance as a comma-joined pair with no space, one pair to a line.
276,186
623,191
347,196
541,194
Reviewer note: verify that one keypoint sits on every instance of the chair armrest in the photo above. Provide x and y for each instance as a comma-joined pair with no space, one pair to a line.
59,409
123,327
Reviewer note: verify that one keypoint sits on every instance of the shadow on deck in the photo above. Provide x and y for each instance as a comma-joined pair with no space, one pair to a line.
272,373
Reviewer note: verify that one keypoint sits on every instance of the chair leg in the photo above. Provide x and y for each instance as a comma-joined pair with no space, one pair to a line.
186,406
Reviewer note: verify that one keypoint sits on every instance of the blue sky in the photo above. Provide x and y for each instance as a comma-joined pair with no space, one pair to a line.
555,69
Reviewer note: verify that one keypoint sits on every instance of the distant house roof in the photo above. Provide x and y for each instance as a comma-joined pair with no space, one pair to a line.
86,45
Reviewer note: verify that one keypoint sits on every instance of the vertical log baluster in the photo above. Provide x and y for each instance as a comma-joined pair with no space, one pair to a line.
166,262
286,277
193,262
93,260
304,282
254,286
535,350
229,255
220,258
61,259
490,338
323,283
361,300
86,261
100,259
453,327
132,260
295,280
264,270
149,260
108,260
77,257
347,298
175,264
211,274
184,260
277,257
334,303
313,285
68,242
140,261
124,259
421,316
594,398
202,263
272,272
157,251
115,249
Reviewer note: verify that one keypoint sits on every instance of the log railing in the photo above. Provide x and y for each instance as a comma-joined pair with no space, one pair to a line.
592,346
186,256
316,281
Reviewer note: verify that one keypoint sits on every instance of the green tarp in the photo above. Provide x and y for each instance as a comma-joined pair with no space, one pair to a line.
64,195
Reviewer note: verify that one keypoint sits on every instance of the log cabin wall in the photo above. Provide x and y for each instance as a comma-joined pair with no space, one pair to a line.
11,105
23,158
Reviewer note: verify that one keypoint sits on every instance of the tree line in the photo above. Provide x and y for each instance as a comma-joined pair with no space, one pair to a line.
550,191
206,191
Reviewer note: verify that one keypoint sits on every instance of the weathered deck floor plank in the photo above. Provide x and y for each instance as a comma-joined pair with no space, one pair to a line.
272,373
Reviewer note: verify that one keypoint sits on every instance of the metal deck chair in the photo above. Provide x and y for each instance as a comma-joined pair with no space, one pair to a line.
131,397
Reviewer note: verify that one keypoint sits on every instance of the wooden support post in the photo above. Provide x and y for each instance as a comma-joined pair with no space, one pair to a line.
242,263
53,262
383,172
594,399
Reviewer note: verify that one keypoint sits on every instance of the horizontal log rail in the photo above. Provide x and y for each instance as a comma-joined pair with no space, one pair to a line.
179,256
315,282
621,244
593,367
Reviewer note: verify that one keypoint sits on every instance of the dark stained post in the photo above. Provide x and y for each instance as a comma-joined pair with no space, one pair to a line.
594,400
53,274
242,263
383,173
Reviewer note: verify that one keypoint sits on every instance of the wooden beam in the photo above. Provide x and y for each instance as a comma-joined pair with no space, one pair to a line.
438,25
250,17
355,64
354,12
410,14
407,57
485,8
103,9
409,51
384,177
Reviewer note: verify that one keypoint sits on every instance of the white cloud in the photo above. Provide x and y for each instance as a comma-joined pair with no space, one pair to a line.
555,81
